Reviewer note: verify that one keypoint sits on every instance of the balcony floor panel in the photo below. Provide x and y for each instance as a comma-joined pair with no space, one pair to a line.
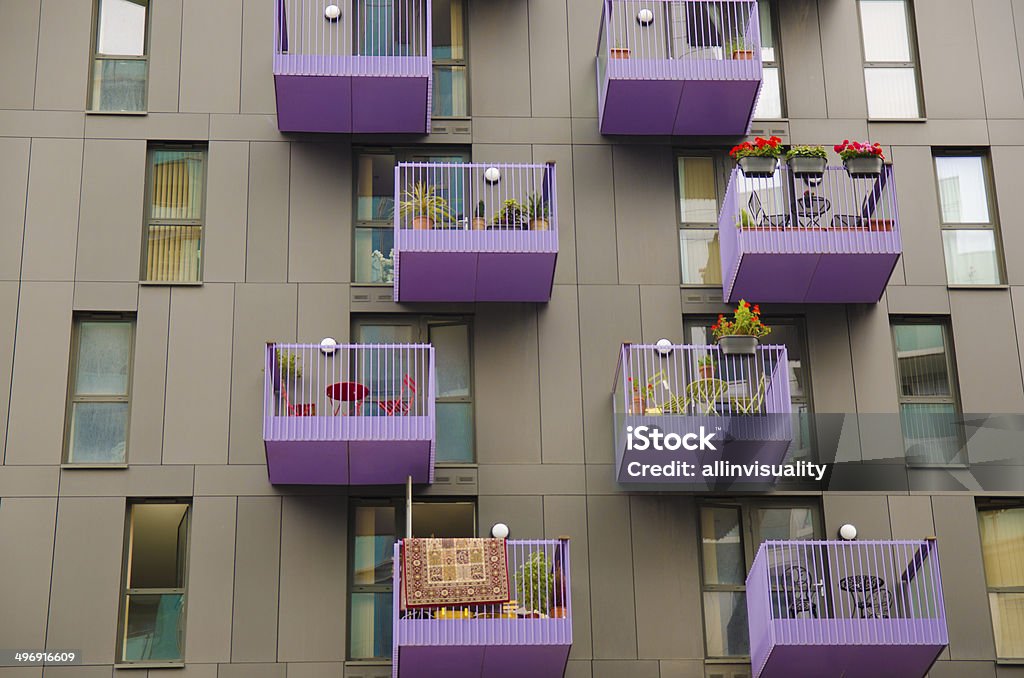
475,276
351,104
678,107
862,661
483,661
324,462
812,278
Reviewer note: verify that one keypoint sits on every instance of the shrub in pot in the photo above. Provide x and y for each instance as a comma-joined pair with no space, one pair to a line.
862,160
537,212
425,206
758,159
739,49
480,217
534,582
807,161
510,215
740,335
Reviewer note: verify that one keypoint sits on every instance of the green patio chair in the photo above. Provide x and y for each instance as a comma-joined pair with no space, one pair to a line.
753,404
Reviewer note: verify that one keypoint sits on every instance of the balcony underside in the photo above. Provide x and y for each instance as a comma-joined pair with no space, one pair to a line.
475,276
812,277
482,661
348,462
353,103
678,106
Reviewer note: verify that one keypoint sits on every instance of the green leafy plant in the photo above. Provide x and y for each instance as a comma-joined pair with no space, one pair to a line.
736,44
761,148
534,582
746,221
706,361
746,320
422,200
481,210
289,363
536,207
641,390
806,152
510,214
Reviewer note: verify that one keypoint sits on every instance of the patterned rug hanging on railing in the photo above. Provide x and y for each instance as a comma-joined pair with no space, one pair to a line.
438,572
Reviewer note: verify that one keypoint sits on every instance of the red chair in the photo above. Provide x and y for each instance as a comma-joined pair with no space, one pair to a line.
299,410
404,401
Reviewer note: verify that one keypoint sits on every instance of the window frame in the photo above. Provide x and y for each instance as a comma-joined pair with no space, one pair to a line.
401,154
990,198
73,397
952,377
122,616
988,505
776,63
450,62
749,529
914,64
421,325
719,169
95,56
148,221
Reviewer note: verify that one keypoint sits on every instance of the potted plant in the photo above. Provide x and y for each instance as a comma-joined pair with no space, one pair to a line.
641,394
480,217
862,160
758,159
739,49
537,212
289,363
706,366
746,221
618,52
740,335
510,215
534,582
425,206
807,161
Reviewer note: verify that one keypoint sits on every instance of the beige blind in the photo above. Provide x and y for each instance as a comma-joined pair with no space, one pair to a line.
177,185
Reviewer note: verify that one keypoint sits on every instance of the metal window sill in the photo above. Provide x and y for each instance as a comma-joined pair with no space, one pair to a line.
68,465
150,665
978,287
1010,662
135,113
871,120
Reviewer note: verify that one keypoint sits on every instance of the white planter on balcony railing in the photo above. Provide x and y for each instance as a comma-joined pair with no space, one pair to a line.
758,167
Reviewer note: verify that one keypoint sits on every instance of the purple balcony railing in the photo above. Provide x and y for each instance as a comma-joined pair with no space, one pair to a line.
369,70
357,415
869,609
492,640
475,232
789,239
678,67
742,400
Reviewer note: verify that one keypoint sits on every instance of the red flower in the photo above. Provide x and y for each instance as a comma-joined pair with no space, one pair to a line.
757,308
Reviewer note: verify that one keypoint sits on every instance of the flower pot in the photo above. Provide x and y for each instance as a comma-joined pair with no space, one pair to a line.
422,223
743,54
878,225
638,405
619,53
807,167
538,224
863,168
738,344
479,224
707,371
758,167
559,612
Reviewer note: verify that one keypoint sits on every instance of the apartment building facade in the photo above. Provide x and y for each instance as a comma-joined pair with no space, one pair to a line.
285,281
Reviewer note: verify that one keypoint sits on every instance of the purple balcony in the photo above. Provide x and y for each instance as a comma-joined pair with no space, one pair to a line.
367,70
679,67
870,609
790,239
741,401
354,415
491,641
475,232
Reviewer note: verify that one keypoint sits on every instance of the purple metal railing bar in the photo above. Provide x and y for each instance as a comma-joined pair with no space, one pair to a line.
834,218
374,393
490,626
519,249
711,41
827,595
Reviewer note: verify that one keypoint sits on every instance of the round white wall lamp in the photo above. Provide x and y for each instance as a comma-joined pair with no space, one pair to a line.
492,175
645,17
847,532
499,531
663,347
328,346
332,12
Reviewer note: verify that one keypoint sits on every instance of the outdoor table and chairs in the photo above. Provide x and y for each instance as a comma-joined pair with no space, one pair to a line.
869,594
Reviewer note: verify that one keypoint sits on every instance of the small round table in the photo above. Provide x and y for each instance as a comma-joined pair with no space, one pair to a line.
862,588
348,392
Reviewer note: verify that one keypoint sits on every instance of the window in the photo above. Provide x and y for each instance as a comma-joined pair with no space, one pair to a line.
373,253
927,392
99,393
375,528
697,181
451,96
1002,547
890,71
769,104
155,573
730,534
120,62
791,333
175,206
970,236
453,361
